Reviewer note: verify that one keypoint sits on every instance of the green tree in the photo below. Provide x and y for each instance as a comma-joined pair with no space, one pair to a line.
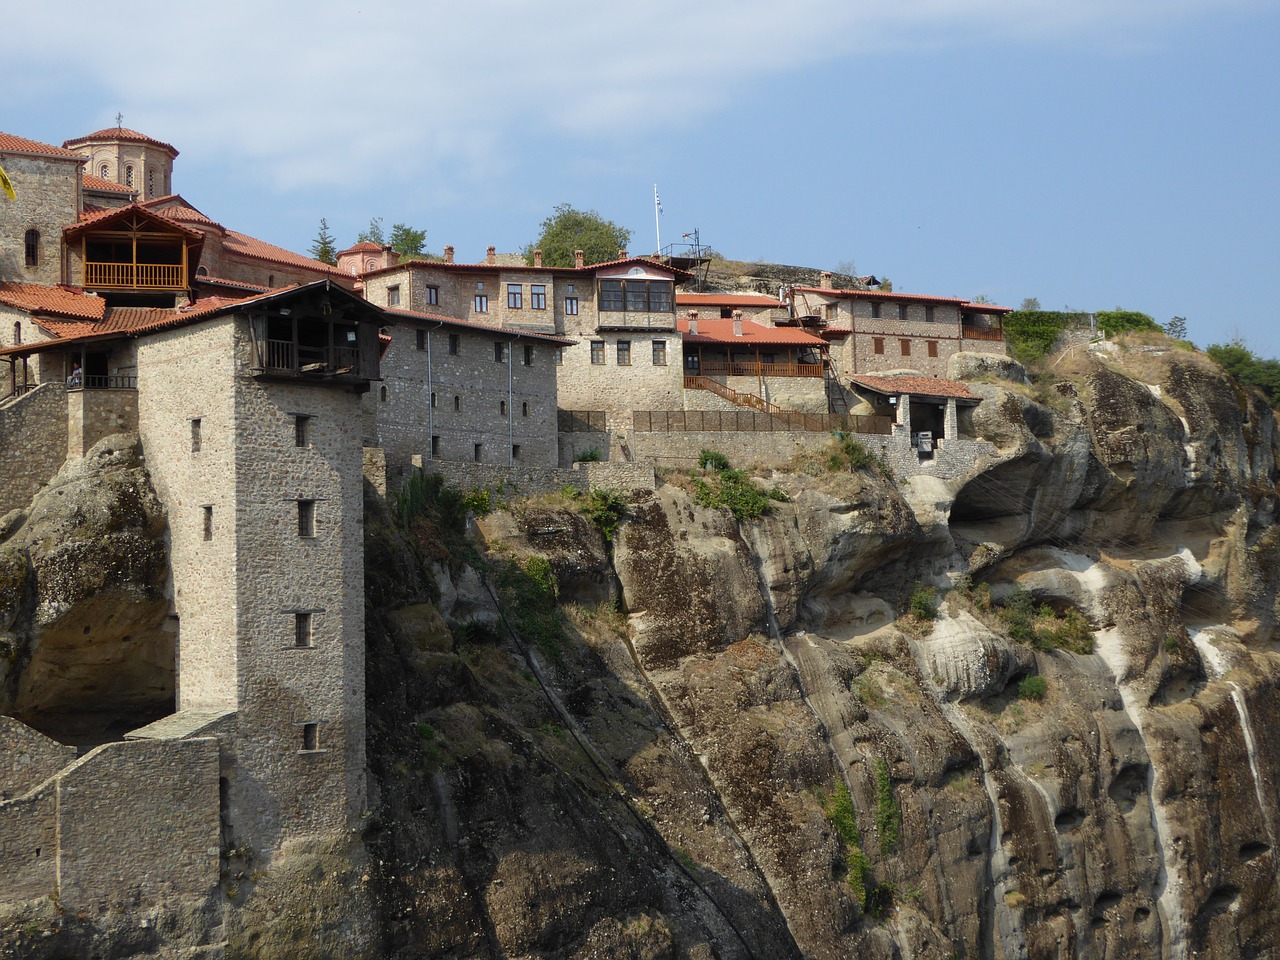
373,234
1248,368
569,229
1030,303
324,248
407,241
1177,328
1119,320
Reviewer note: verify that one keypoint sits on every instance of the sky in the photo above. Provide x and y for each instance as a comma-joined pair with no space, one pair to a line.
1091,154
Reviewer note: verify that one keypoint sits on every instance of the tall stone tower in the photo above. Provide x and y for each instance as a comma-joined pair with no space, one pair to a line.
129,158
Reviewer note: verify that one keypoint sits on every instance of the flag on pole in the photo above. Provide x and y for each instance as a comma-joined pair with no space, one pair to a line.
6,186
656,201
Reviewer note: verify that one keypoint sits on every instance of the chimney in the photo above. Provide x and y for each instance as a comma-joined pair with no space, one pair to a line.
448,253
825,282
693,323
389,257
577,259
737,323
537,258
491,255
622,254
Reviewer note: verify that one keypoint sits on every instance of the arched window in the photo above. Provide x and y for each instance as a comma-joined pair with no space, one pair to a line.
202,271
271,279
384,394
128,176
32,244
102,171
457,403
151,183
17,332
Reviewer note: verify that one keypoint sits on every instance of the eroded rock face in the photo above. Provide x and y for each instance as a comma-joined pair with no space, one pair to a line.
82,599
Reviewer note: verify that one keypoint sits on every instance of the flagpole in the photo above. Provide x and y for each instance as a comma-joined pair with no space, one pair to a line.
657,209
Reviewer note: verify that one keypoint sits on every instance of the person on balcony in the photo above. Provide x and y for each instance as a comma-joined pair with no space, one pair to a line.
77,376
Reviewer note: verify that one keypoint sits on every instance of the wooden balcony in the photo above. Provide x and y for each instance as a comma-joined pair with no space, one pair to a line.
298,359
134,276
970,332
718,368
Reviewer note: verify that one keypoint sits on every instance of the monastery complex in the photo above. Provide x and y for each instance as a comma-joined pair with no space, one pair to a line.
266,387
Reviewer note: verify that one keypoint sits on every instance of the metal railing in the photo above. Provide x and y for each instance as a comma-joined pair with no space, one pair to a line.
113,382
155,276
970,332
718,368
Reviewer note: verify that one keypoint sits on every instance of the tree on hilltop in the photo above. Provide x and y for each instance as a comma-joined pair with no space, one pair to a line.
407,241
569,229
373,233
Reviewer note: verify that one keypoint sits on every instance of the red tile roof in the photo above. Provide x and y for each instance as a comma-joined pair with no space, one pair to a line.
509,268
11,144
235,284
56,301
718,331
726,300
120,133
260,250
362,245
971,307
104,186
487,328
916,386
174,207
103,216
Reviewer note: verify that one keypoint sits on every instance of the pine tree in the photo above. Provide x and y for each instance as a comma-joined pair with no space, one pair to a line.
325,249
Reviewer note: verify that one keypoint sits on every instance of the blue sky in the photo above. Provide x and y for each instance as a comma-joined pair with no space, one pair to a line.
1091,154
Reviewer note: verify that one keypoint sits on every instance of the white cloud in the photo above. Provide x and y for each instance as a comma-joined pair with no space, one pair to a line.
323,92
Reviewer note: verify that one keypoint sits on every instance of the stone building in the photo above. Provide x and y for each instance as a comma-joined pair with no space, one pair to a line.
454,390
873,331
249,414
770,311
619,318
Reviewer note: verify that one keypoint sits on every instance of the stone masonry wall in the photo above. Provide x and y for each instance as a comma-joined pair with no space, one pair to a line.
465,399
532,481
33,443
18,323
620,388
287,787
28,758
94,414
186,375
138,823
130,822
48,191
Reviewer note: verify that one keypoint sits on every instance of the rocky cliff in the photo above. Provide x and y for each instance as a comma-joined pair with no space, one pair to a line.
1020,715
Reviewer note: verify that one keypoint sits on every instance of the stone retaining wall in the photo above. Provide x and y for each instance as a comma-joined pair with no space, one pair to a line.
33,443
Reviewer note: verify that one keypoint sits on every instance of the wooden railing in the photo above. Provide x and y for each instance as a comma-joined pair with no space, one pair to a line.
970,332
698,382
284,356
751,421
103,383
153,276
717,368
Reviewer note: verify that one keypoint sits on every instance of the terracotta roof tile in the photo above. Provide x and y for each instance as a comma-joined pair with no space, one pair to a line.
103,216
260,250
916,386
52,300
235,284
487,328
100,185
183,213
727,300
121,133
508,268
11,144
362,246
716,330
970,307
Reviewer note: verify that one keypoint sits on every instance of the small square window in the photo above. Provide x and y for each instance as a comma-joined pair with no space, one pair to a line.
301,430
659,353
498,352
559,356
515,451
528,355
515,296
876,307
433,296
877,344
393,295
597,352
422,339
455,344
928,315
208,521
902,311
538,296
310,737
905,346
302,629
570,306
482,303
195,435
624,353
569,287
306,518
477,452
932,346
435,445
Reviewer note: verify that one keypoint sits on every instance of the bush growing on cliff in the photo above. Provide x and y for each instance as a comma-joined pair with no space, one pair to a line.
605,508
838,807
888,816
436,513
733,489
924,603
1033,687
1116,321
1042,627
850,454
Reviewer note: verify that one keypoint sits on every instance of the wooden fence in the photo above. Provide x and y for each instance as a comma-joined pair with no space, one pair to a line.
582,421
751,421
